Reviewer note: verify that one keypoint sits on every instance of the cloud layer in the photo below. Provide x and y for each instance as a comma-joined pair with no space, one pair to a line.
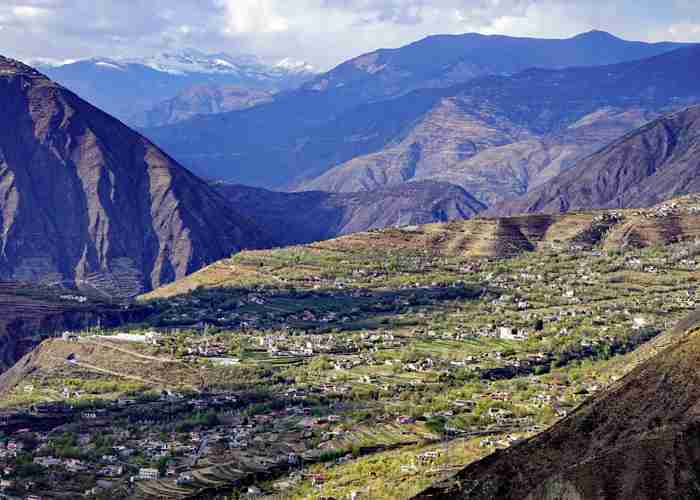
324,32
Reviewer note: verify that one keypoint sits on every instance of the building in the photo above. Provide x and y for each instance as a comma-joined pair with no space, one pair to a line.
147,474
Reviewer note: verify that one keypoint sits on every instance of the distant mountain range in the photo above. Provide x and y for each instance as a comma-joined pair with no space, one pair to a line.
445,60
528,125
128,88
499,137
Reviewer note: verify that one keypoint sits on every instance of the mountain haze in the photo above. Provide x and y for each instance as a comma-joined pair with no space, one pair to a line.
200,100
126,88
431,133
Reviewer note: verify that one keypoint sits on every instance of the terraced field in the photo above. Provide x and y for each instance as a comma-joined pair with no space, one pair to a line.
472,239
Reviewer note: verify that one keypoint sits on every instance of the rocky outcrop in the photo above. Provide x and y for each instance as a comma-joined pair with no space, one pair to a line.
87,202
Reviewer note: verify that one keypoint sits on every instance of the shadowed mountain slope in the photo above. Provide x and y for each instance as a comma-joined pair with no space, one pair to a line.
314,215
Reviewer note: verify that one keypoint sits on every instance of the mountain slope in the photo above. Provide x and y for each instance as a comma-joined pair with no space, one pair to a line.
87,201
668,223
200,100
304,134
29,312
656,162
638,440
520,130
313,215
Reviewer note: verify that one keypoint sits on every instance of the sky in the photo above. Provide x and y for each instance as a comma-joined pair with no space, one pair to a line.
322,32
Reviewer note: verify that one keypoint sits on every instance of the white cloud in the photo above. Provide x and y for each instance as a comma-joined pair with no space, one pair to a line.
253,16
28,11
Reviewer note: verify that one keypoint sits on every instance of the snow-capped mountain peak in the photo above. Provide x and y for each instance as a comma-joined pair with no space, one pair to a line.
193,61
294,65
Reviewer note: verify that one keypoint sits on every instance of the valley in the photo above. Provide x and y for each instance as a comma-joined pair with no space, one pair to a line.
341,368
462,267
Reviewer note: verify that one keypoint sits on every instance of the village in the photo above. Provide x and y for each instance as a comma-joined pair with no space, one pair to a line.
274,389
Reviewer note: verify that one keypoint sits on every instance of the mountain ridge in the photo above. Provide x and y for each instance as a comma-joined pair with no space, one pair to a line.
127,87
653,163
307,133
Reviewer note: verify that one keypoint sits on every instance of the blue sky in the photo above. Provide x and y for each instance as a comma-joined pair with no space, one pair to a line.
323,32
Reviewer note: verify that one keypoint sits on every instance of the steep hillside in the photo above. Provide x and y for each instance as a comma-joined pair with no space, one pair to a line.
535,122
313,215
638,440
654,163
498,137
88,202
493,160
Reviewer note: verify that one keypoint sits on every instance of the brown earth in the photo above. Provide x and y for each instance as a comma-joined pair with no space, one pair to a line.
493,159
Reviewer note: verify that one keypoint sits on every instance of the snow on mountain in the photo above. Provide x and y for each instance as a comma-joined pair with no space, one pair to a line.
295,66
191,61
